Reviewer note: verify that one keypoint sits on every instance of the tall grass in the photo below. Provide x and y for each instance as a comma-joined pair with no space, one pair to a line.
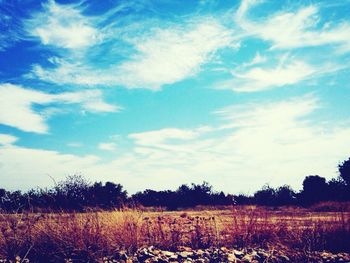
91,236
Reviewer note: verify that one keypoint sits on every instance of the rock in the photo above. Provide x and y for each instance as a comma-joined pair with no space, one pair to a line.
255,254
216,255
168,253
238,253
185,254
231,258
156,252
224,249
144,254
173,258
248,258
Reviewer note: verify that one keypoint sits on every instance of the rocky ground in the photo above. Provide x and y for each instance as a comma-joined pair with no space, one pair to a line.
211,255
188,255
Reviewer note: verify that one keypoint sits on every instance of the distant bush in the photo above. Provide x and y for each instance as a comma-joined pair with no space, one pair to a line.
77,194
185,196
72,194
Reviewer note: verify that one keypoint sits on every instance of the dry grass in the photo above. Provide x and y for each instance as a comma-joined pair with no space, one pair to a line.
88,236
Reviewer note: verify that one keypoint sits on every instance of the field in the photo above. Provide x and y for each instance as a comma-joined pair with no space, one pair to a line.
87,237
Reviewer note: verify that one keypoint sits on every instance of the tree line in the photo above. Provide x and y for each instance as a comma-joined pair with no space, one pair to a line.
77,194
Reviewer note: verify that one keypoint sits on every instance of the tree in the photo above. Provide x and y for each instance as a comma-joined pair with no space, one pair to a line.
72,193
314,190
196,194
285,196
337,190
107,196
344,171
150,197
265,196
242,199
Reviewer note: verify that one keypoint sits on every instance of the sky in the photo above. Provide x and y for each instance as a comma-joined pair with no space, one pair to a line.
154,94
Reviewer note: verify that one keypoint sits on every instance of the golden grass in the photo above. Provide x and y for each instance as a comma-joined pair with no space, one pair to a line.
88,236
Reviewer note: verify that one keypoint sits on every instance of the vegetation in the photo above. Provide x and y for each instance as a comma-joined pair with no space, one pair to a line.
73,194
88,237
270,219
76,194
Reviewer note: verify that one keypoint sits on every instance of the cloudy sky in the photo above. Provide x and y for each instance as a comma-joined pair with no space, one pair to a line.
153,94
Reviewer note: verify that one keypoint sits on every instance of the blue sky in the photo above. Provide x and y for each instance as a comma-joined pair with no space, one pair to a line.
153,94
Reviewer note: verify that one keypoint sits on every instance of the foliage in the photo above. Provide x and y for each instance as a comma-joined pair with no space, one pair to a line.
185,196
72,194
344,171
77,194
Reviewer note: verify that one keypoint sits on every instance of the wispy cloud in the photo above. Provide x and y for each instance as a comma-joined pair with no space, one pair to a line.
262,73
163,56
275,71
257,139
277,113
16,105
75,144
170,55
63,26
294,29
244,152
258,59
263,77
107,146
161,136
10,25
66,72
90,100
6,139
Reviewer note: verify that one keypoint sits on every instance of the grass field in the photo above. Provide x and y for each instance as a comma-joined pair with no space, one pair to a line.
44,236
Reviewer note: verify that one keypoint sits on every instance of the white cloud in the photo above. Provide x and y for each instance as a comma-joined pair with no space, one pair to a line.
107,146
256,143
26,167
294,29
62,26
90,100
279,143
16,108
75,144
170,55
75,73
274,143
163,56
250,78
243,9
11,28
258,59
16,105
264,143
160,136
6,139
281,113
